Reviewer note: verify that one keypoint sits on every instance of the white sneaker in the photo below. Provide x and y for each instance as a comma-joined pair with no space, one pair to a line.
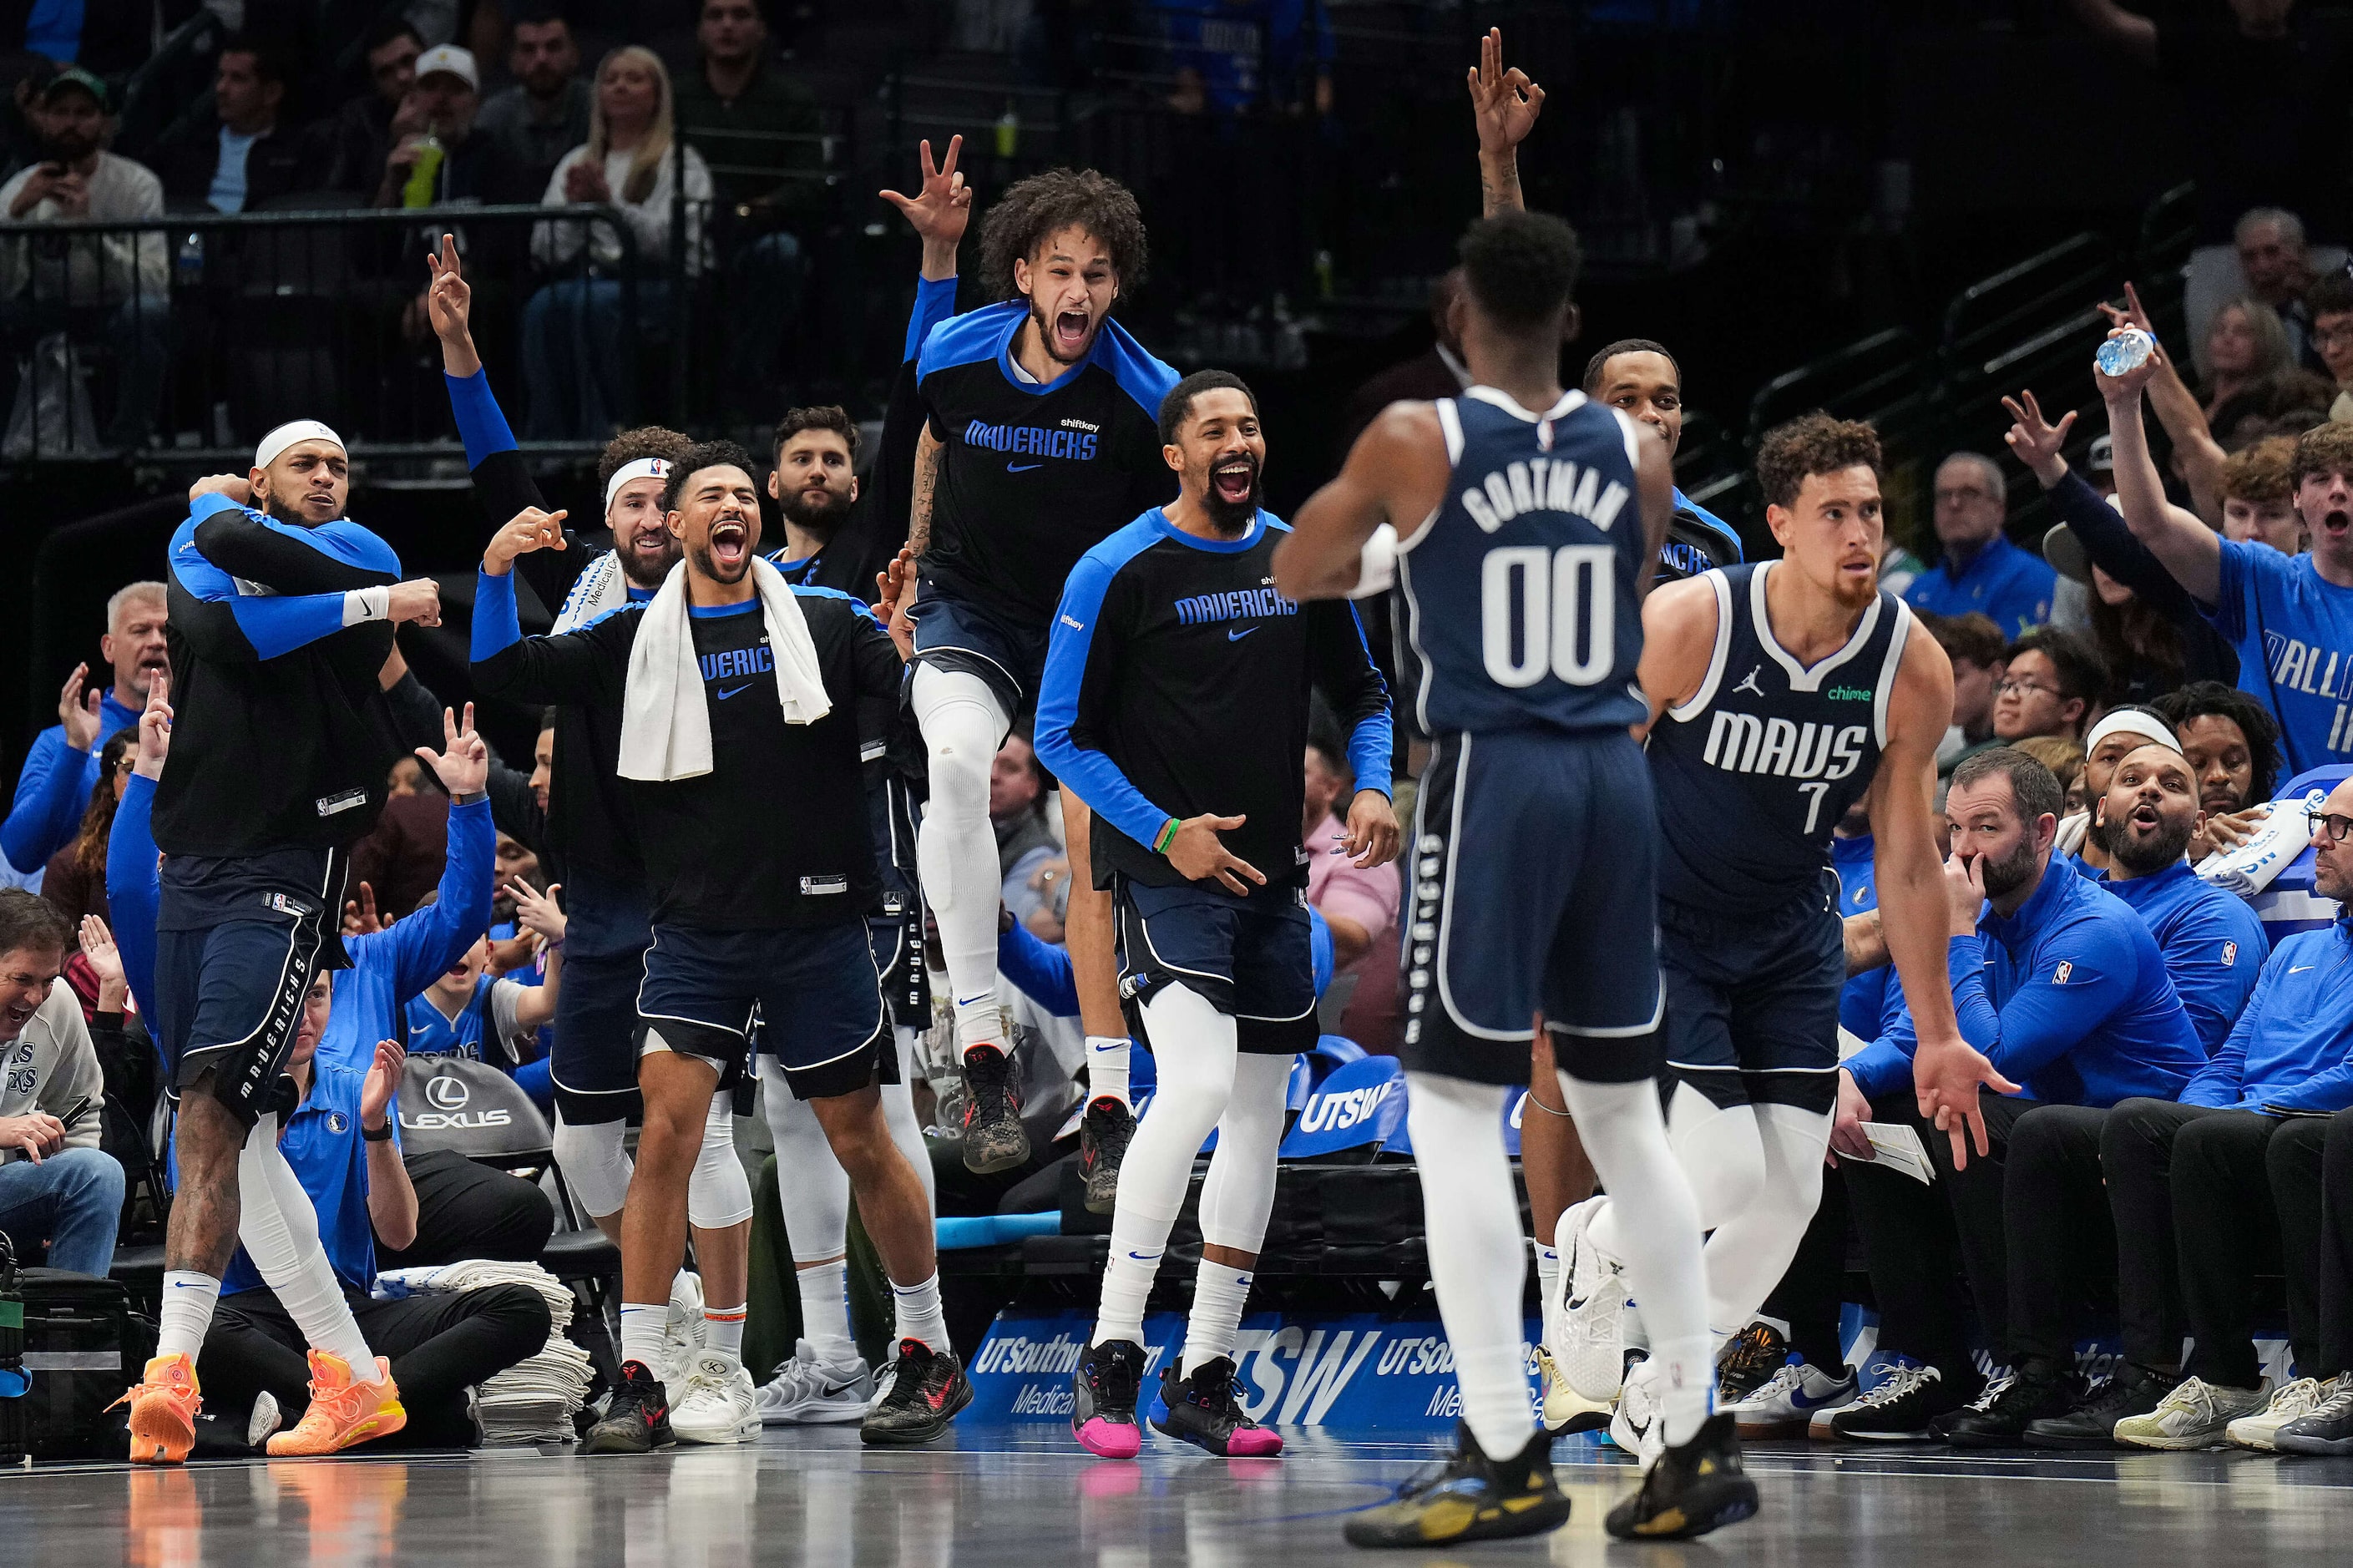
806,1392
2299,1398
1635,1425
681,1330
1591,1350
1793,1399
717,1406
2196,1414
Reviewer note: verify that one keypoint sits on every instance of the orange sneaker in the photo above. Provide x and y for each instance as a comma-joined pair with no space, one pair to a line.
164,1411
343,1410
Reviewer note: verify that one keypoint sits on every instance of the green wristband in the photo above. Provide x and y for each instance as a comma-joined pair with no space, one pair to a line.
1167,837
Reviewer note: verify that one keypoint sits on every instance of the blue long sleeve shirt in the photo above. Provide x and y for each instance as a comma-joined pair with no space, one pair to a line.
1860,999
2293,1047
2213,944
390,966
2069,998
54,789
2011,586
133,887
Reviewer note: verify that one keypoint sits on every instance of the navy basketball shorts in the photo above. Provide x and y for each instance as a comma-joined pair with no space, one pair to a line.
238,942
895,933
808,997
955,631
593,1067
1753,1001
1532,888
1252,958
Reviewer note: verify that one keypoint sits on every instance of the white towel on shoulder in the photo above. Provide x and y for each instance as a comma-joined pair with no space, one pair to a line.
665,718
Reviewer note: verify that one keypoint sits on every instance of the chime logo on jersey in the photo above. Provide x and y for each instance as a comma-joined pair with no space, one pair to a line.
1542,484
1744,743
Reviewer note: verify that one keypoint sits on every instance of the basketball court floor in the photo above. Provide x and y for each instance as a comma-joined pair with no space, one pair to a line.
1022,1497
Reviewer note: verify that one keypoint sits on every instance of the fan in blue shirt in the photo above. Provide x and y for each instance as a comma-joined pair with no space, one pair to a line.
1981,570
61,769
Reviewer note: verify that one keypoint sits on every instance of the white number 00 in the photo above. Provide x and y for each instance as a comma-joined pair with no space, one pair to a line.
1565,601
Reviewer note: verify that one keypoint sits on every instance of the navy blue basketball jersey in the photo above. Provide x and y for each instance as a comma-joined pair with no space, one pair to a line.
1753,772
1521,606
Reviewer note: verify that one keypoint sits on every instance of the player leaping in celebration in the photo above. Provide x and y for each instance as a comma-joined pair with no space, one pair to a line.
1782,693
1176,695
1042,439
1526,522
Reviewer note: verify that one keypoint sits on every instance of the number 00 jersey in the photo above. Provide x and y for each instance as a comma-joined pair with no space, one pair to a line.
1520,590
1753,772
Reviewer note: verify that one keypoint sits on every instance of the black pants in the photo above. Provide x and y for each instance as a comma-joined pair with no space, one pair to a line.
1912,1233
1030,1187
465,1210
439,1346
1808,1296
2336,1246
2071,1256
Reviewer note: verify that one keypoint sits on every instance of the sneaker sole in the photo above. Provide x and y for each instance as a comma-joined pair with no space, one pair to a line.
2075,1442
990,1164
1497,1524
2175,1445
2321,1448
1923,1436
914,1437
814,1415
1266,1443
591,1444
742,1432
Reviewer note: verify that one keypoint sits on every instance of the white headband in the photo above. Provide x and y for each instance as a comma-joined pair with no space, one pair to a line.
2131,722
290,434
643,469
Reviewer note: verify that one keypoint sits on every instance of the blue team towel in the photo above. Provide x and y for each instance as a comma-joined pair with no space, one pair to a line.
955,1232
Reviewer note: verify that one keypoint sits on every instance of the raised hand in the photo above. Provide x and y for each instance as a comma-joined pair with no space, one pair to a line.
2125,389
449,302
77,711
939,210
237,487
1504,103
156,728
105,962
2036,440
529,530
535,910
360,918
464,765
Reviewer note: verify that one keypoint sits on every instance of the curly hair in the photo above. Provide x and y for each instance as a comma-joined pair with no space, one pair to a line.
2211,699
2259,473
2323,450
644,441
820,416
1034,210
698,456
1811,444
1520,267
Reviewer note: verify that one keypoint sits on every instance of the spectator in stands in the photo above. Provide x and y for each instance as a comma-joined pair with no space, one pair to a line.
1978,652
2050,681
545,113
2330,305
1360,906
57,1185
74,879
1016,810
2233,748
441,104
576,345
104,36
2060,984
2277,265
2247,374
1979,569
246,157
1230,56
113,289
468,1012
2191,1176
348,148
2064,757
62,767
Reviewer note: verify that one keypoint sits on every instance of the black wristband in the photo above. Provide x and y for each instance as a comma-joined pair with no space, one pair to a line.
479,794
381,1135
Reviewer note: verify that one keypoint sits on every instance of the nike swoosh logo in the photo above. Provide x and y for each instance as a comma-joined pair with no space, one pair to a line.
1799,1400
968,1001
1236,636
723,695
1021,468
2299,969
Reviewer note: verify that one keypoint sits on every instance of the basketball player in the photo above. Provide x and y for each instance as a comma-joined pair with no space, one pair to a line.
1176,694
282,618
1041,439
1780,694
1526,521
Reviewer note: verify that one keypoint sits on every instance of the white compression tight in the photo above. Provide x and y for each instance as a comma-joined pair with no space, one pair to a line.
1204,1082
280,1228
956,849
1756,1173
1477,1260
595,1163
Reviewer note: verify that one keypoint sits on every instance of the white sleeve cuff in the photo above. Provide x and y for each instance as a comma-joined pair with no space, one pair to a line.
367,604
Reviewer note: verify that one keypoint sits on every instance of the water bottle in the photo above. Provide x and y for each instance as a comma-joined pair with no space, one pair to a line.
425,173
1009,131
188,266
2127,352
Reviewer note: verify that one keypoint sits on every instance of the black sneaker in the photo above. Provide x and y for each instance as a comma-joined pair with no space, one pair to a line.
1469,1497
1205,1411
1902,1409
927,1388
1691,1490
2327,1430
1748,1363
994,1138
1104,1391
636,1421
1103,1133
2090,1421
1999,1417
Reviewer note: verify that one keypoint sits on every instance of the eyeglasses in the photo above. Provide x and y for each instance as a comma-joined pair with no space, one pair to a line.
2024,688
2330,823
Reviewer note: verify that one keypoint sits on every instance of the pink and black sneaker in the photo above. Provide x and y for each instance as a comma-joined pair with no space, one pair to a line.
1103,1402
1205,1411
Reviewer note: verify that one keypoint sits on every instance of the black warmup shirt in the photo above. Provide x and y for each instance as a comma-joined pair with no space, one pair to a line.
1178,683
1034,476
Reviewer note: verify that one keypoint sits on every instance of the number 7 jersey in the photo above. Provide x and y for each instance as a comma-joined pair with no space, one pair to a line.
1520,588
1753,772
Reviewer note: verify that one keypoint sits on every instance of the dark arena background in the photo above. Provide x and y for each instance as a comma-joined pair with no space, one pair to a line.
217,219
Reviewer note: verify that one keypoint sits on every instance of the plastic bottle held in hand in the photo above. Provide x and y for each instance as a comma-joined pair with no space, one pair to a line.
425,173
2127,352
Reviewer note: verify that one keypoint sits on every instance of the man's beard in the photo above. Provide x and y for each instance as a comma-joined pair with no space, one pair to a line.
647,570
824,519
2144,857
67,150
1046,335
704,564
1231,518
2003,877
289,514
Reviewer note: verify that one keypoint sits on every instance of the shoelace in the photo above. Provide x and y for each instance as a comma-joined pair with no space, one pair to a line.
1901,1381
2194,1396
1120,1379
2338,1401
797,1379
1786,1381
2001,1382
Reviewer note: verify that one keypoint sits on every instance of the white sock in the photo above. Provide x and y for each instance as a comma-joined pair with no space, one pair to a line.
279,1229
1220,1293
1127,1279
1107,1068
825,1310
723,1330
641,1332
188,1301
920,1317
1547,1276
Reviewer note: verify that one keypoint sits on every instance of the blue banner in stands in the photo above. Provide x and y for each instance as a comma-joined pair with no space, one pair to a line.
1351,1370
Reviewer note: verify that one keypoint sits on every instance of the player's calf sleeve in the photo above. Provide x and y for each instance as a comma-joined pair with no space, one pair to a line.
1654,1225
279,1229
1720,1151
812,1191
595,1163
718,1192
956,847
1748,1254
1477,1261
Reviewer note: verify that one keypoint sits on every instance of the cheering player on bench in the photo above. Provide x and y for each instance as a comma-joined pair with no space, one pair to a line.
1042,439
730,680
281,622
1177,698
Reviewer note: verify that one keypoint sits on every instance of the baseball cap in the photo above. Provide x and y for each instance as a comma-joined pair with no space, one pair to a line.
74,76
2065,553
450,58
2103,456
